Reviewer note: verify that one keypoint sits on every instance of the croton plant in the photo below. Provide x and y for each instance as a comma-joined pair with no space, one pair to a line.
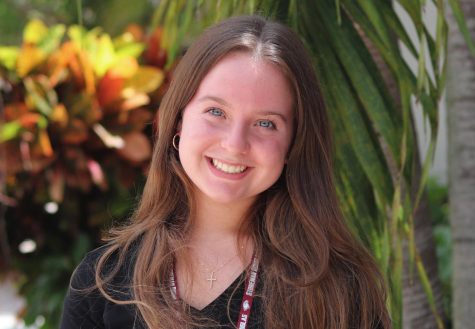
76,125
72,103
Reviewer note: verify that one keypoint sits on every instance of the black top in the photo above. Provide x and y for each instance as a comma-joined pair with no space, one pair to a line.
92,310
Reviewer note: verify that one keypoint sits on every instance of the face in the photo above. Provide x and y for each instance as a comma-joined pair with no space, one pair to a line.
236,131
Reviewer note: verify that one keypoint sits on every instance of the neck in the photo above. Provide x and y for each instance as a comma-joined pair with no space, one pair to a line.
216,226
217,219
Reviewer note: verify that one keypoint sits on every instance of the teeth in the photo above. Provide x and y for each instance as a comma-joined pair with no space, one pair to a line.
228,168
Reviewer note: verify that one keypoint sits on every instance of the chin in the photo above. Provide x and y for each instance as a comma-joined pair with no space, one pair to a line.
227,199
222,199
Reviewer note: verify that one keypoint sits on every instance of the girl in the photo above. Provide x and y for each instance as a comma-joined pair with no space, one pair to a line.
238,225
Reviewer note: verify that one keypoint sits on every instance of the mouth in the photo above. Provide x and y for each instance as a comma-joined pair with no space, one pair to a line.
227,168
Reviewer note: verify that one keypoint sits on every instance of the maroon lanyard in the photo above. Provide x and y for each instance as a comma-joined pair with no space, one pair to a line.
247,298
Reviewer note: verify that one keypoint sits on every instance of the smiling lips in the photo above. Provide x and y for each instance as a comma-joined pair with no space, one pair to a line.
227,168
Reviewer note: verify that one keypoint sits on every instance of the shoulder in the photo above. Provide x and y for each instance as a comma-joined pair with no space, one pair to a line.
85,306
83,276
114,269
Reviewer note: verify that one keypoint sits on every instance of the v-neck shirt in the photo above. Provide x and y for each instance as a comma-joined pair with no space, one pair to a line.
217,310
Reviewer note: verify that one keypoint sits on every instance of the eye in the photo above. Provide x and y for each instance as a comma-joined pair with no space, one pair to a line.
216,112
266,124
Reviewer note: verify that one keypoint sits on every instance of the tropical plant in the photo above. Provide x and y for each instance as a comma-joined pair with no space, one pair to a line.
112,15
438,198
75,138
371,93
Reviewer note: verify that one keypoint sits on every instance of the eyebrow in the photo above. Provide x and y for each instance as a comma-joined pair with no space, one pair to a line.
224,103
214,98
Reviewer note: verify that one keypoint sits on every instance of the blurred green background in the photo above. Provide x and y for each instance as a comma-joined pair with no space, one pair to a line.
111,15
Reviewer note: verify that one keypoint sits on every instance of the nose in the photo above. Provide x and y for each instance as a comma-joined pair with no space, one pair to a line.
236,139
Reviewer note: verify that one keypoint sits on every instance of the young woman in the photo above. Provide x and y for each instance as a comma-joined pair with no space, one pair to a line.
238,225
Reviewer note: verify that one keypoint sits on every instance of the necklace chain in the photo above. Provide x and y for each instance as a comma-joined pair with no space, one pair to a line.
212,276
248,296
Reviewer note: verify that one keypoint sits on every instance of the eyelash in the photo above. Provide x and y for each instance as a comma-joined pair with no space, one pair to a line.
214,109
270,126
219,113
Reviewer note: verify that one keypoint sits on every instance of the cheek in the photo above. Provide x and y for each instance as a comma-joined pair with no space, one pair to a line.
195,137
273,151
191,131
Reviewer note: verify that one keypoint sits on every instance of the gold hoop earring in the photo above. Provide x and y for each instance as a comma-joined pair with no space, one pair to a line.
176,141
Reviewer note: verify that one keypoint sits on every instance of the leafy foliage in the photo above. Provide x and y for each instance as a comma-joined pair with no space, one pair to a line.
75,135
112,15
438,196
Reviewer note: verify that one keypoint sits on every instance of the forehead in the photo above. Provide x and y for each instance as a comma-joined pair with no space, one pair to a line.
247,80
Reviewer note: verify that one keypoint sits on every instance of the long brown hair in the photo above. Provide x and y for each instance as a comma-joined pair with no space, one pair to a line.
315,273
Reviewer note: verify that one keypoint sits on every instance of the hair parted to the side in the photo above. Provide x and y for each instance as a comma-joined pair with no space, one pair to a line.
315,273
